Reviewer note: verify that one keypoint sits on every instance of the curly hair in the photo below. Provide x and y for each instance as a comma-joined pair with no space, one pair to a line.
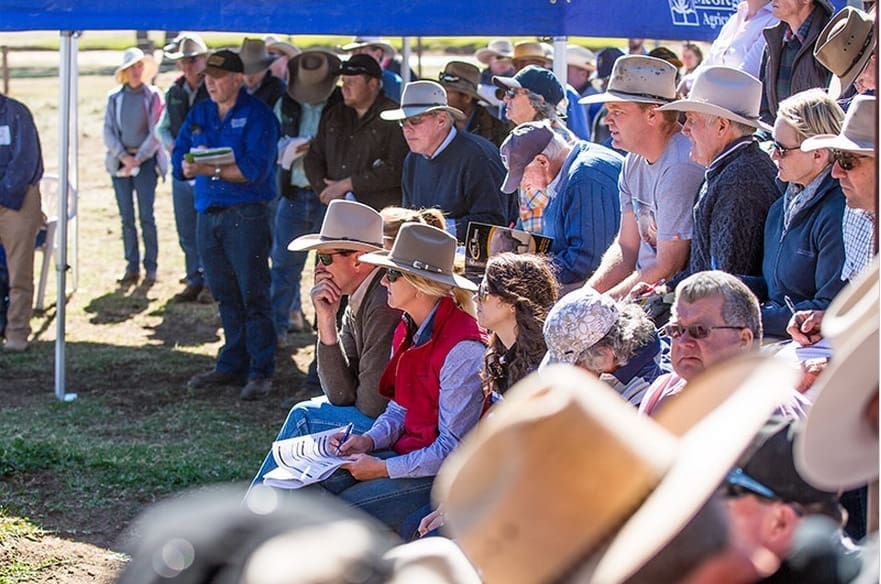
528,283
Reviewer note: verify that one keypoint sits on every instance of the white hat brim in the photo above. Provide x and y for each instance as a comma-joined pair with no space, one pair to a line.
409,111
383,259
611,96
318,242
838,142
702,107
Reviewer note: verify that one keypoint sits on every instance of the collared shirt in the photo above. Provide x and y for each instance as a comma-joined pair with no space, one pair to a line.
444,144
21,159
740,43
741,142
858,233
357,297
797,196
310,116
532,207
792,44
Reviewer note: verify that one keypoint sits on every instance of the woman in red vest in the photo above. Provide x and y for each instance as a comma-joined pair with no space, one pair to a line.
432,380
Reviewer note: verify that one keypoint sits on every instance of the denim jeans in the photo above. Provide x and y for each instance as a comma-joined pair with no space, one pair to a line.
311,416
145,185
298,216
185,221
234,246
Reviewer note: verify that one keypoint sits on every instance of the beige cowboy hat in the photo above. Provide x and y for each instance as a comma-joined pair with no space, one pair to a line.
725,92
462,77
135,55
581,57
422,250
313,75
845,46
640,79
254,56
565,473
359,42
498,48
347,225
838,447
420,97
284,47
858,132
187,44
531,50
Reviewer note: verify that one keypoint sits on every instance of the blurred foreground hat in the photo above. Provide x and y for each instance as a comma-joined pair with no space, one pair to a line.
361,65
498,48
312,76
135,55
845,46
462,77
858,132
187,44
537,80
615,487
254,56
222,62
420,97
360,42
575,324
640,79
522,145
347,225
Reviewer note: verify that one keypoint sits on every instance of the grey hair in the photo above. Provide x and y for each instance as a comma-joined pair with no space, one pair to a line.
740,307
631,332
557,148
543,110
739,127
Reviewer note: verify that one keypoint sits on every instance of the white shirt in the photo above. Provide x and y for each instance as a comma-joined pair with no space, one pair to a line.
740,43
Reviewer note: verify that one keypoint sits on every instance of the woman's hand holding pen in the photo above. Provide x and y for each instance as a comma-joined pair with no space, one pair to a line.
356,444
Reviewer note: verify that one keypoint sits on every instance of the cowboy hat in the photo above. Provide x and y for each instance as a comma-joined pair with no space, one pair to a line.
254,56
838,446
640,79
858,132
528,50
725,92
581,57
462,77
845,46
134,55
422,250
854,304
284,47
623,485
313,75
421,97
187,44
360,42
498,48
347,225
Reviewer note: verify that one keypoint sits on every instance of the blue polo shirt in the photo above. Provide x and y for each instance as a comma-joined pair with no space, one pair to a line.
21,162
251,130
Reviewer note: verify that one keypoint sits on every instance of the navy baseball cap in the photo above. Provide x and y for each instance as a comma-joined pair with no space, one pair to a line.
605,61
524,143
222,62
537,80
361,65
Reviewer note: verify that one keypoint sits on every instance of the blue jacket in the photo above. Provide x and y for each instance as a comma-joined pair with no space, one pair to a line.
585,212
251,130
21,161
576,117
803,262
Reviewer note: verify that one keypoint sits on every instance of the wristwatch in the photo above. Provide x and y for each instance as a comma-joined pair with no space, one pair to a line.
216,173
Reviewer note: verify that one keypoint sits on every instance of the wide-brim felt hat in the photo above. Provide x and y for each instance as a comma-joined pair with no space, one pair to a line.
838,447
388,51
499,48
420,97
462,77
187,44
313,75
638,79
347,225
422,250
130,57
615,487
858,132
289,50
581,57
844,47
254,56
531,50
725,92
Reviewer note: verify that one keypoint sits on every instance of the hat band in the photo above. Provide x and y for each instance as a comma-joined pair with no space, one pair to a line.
636,94
420,265
352,239
403,105
860,54
450,78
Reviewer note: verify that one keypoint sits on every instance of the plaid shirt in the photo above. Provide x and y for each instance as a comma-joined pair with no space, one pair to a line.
858,232
532,208
792,44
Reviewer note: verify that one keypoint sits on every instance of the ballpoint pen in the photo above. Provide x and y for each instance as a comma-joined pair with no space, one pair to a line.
346,434
791,306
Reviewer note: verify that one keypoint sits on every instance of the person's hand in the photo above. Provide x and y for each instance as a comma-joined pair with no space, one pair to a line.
129,162
432,521
326,296
804,326
811,369
365,467
303,148
356,444
190,169
642,290
335,189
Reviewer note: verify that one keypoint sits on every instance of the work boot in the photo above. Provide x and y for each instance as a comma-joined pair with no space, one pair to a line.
257,388
189,294
214,378
129,278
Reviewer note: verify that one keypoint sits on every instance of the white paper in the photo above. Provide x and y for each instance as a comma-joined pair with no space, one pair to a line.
303,460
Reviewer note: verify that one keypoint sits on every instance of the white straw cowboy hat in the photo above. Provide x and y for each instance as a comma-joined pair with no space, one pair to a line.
347,225
581,57
420,97
640,79
725,92
254,56
858,132
528,50
360,42
187,44
566,474
284,47
845,46
462,77
422,250
498,48
313,75
134,55
838,447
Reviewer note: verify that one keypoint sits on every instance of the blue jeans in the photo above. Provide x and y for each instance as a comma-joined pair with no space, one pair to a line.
311,416
185,221
295,217
145,185
234,246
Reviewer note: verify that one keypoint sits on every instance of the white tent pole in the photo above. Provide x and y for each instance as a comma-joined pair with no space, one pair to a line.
74,159
560,59
65,67
405,61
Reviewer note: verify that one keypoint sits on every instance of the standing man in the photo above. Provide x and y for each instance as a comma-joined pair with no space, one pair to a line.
381,52
21,168
658,183
460,80
232,225
190,53
354,155
259,80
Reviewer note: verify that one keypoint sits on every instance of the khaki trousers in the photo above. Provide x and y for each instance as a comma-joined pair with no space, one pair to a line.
18,231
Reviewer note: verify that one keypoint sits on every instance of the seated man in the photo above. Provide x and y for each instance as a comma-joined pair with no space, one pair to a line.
351,359
581,181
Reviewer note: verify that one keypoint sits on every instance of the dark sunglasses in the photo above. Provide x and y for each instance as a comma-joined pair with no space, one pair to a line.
393,275
327,258
512,92
695,331
846,160
782,150
415,120
482,292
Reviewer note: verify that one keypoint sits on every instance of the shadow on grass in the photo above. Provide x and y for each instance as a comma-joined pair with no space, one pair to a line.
120,305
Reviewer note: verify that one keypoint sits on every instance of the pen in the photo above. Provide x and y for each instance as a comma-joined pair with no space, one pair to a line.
791,306
346,434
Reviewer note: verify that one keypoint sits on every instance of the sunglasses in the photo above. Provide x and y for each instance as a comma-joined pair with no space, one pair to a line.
738,484
415,120
482,292
846,160
512,92
327,258
393,275
695,331
782,150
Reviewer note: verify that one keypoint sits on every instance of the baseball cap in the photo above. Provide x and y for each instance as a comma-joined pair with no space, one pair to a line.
537,80
606,60
576,322
222,62
361,65
524,143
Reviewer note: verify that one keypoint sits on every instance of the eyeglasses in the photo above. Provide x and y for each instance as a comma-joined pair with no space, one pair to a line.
512,92
846,160
482,292
782,150
327,258
393,275
695,331
415,120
